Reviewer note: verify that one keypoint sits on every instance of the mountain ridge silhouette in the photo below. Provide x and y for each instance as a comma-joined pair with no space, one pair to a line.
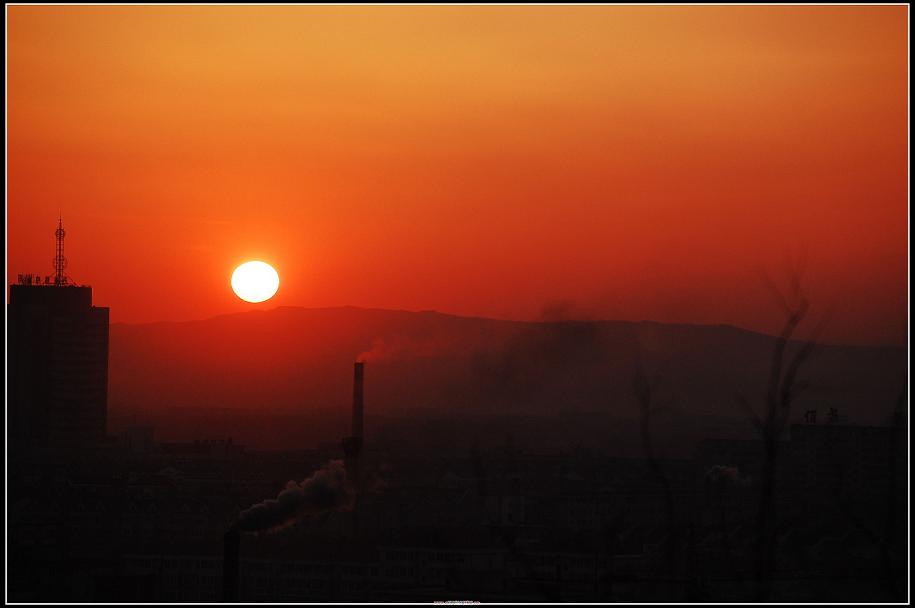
298,361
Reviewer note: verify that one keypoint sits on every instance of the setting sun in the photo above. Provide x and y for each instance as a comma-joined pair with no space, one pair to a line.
255,281
643,268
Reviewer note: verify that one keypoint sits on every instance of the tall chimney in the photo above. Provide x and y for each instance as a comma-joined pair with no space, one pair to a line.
231,542
352,445
358,369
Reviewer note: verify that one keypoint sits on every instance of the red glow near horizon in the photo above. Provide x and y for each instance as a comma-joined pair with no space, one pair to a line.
603,162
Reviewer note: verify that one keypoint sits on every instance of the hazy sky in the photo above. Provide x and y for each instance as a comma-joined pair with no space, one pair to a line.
612,162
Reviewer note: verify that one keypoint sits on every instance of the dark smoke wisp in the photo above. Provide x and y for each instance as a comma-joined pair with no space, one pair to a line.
326,490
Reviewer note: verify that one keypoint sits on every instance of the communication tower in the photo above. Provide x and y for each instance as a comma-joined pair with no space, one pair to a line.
60,262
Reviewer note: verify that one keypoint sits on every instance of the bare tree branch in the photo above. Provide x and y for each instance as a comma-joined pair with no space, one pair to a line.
751,413
783,386
642,390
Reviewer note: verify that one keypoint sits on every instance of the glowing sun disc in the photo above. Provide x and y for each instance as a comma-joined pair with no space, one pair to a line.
255,281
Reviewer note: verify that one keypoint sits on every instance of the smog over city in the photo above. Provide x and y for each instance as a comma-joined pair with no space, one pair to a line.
457,303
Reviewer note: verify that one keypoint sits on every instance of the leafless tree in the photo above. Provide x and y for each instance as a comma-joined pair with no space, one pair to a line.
723,482
782,389
642,389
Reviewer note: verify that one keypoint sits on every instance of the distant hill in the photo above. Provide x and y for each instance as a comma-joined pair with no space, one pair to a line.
284,376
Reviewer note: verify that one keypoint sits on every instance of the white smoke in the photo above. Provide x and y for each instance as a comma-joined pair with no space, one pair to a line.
726,475
326,490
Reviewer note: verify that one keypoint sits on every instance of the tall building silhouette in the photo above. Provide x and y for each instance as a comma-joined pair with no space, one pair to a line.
57,393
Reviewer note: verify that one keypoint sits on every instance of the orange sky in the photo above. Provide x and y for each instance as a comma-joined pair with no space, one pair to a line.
620,162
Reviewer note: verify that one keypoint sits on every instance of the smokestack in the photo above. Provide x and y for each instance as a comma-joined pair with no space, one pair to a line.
231,544
352,445
358,369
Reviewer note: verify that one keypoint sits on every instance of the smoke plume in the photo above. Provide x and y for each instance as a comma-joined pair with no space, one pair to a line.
326,490
724,475
406,347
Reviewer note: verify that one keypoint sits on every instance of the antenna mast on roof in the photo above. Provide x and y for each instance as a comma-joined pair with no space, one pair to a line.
60,262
